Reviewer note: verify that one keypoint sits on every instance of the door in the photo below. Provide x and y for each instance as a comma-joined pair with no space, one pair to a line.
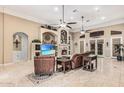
81,46
100,43
97,47
93,46
115,47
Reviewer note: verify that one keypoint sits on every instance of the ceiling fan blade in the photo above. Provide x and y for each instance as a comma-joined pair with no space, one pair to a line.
58,27
72,23
69,26
54,24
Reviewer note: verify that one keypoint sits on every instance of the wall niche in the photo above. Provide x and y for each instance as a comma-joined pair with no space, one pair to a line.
49,38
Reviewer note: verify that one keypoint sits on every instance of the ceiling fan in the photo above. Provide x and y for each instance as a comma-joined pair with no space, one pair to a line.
62,21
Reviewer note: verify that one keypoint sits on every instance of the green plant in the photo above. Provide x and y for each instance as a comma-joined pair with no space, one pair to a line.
36,41
120,48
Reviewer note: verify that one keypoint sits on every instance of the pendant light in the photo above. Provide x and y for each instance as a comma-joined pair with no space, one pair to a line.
82,28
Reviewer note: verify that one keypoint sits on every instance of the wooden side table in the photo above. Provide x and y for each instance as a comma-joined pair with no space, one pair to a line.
64,62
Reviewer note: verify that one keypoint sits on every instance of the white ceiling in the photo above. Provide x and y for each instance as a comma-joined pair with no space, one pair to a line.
46,14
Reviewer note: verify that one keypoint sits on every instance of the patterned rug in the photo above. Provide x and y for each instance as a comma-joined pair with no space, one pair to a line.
35,79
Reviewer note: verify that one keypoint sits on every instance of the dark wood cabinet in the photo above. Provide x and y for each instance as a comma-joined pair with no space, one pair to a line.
44,65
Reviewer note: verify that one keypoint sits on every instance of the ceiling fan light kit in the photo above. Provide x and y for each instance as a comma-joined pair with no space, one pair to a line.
63,25
82,32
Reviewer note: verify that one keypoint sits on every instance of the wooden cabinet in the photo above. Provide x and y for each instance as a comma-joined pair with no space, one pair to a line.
35,50
44,65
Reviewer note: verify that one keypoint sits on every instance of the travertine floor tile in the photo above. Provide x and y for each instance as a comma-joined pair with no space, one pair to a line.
110,73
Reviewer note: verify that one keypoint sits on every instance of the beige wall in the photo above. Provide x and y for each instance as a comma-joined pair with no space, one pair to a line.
12,25
1,38
107,38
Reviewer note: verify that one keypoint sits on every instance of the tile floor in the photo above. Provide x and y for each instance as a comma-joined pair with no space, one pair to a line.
110,73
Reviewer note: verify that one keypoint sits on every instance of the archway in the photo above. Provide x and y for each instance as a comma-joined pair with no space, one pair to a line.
20,47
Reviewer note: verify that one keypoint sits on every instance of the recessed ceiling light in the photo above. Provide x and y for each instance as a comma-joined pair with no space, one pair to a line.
97,9
56,9
103,17
71,17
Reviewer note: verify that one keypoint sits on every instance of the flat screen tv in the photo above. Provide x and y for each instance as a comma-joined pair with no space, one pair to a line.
47,49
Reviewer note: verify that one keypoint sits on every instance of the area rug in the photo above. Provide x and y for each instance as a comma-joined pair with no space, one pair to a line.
39,79
36,80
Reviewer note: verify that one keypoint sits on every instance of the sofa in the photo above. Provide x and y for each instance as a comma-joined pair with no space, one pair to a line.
76,61
44,65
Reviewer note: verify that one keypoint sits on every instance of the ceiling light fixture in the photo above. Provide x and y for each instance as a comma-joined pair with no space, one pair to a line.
82,28
82,32
103,17
63,25
56,9
71,18
62,20
97,9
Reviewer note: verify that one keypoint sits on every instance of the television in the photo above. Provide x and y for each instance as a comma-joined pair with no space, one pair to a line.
47,49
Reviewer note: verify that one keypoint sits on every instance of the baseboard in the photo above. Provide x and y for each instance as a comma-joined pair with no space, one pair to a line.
6,64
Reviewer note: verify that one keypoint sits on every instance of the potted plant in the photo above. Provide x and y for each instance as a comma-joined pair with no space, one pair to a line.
120,50
36,41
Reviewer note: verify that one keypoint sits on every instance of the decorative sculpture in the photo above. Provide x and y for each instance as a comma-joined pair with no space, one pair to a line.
17,41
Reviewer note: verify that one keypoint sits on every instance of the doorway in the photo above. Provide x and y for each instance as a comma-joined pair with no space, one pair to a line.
115,41
100,43
20,47
97,46
93,46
